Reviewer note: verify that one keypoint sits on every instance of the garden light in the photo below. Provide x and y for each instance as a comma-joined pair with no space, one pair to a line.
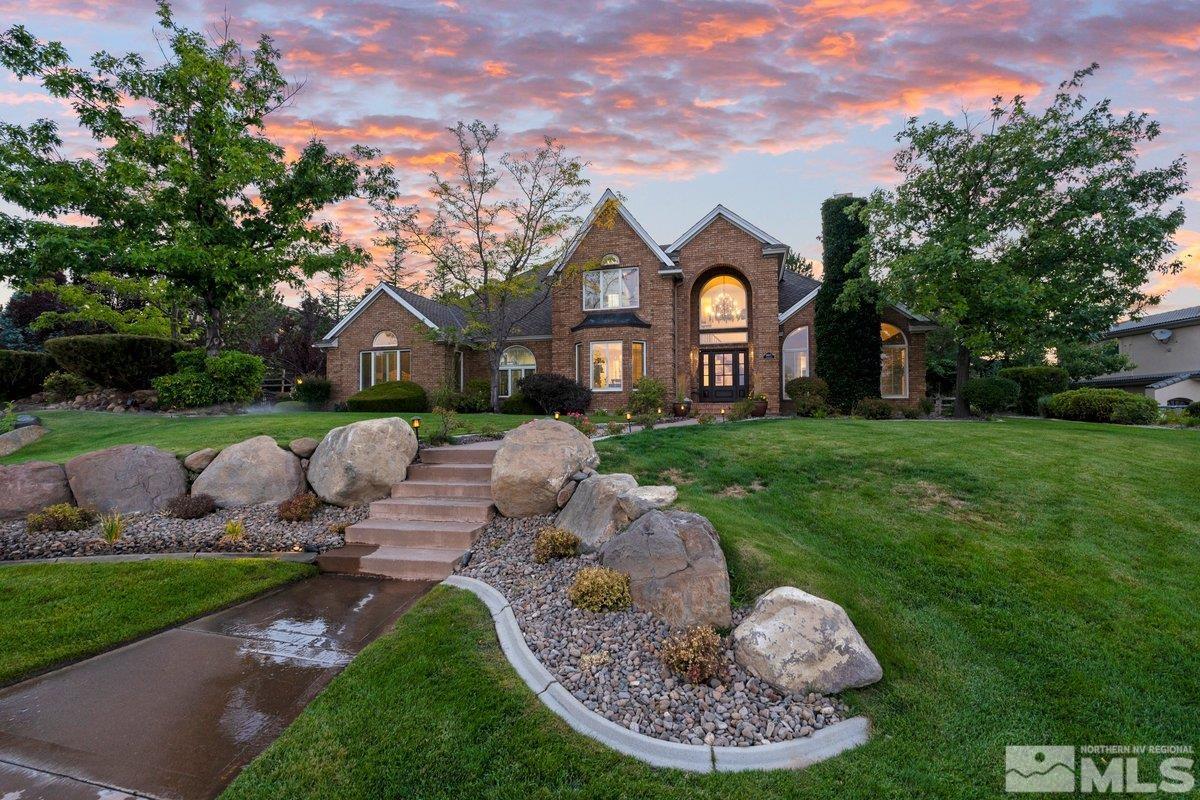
629,420
416,425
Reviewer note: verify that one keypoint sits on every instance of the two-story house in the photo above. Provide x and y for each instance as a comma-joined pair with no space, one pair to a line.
714,315
1165,352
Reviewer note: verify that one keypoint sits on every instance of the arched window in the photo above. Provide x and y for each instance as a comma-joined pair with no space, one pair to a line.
515,363
723,308
385,339
795,356
1179,402
893,362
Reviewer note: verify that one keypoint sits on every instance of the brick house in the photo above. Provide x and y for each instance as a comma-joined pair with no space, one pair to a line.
713,315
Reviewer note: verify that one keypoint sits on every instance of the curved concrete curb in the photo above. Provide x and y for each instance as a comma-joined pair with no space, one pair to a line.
285,555
823,744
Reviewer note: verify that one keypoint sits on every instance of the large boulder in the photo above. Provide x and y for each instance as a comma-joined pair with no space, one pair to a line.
362,461
676,568
534,462
799,643
31,487
251,472
593,513
129,478
642,499
17,438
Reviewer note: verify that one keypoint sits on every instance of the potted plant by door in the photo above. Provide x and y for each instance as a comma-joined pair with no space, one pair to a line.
760,405
682,407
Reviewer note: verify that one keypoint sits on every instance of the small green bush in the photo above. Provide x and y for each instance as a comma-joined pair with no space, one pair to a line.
235,531
647,397
600,589
1193,409
450,426
581,422
909,412
926,405
190,506
874,408
115,360
60,517
553,542
693,654
61,386
517,404
112,527
300,508
202,380
390,396
706,419
476,397
8,418
743,408
551,393
23,372
807,387
1135,410
313,390
992,395
1103,405
1034,382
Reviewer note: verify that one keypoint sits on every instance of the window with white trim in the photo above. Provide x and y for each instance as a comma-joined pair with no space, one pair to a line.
795,356
578,354
608,289
380,366
893,362
605,360
516,362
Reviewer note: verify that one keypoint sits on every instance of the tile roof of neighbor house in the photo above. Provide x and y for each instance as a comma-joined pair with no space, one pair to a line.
1167,319
1152,380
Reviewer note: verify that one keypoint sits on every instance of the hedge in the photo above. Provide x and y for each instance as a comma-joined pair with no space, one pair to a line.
1035,382
390,396
22,373
203,380
517,403
550,393
992,395
808,395
1104,405
115,360
313,390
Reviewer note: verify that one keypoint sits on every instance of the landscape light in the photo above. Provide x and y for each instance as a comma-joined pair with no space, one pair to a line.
629,420
416,425
556,415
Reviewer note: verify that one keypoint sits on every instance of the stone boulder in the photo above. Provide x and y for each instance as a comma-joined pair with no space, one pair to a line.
251,472
676,568
592,513
200,459
25,420
17,438
31,487
799,643
534,462
636,502
304,447
129,478
361,461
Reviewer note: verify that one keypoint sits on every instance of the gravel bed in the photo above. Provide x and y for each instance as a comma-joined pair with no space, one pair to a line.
609,661
157,533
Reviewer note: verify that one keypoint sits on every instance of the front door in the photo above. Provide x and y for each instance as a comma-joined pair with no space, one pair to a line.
722,375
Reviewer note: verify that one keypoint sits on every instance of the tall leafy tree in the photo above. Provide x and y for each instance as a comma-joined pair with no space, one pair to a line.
183,185
1025,229
846,333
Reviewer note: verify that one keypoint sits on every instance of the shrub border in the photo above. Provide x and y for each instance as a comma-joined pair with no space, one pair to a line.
821,745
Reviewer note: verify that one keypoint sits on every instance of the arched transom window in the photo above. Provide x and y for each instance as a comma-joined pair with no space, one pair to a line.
516,362
795,356
385,339
893,362
723,308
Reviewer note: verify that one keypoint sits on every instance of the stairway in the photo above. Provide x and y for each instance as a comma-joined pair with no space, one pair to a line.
430,521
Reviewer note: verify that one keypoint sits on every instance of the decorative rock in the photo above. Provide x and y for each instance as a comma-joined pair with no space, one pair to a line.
361,461
251,472
25,420
17,438
636,502
533,464
592,514
798,642
564,494
304,447
129,478
200,459
676,568
31,487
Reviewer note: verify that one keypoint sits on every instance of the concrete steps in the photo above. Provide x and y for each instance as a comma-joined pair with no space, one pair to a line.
425,528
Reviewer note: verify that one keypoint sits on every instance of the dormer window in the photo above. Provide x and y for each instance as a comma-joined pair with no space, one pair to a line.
608,289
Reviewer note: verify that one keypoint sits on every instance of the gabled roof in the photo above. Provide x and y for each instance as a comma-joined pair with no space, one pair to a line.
609,195
721,211
430,312
1167,319
796,291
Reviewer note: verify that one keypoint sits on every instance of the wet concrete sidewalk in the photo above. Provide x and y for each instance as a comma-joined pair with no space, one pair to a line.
177,715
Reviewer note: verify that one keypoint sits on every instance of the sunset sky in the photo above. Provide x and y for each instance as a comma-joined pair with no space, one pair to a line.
765,107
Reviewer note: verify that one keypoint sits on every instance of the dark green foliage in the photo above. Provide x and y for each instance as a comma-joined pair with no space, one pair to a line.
874,408
313,389
517,404
1035,382
476,397
1193,409
22,373
1135,409
115,360
203,380
1043,405
190,506
847,339
60,386
992,395
1104,405
647,396
550,393
390,396
809,395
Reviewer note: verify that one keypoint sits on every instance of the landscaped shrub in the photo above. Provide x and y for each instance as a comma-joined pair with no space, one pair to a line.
190,506
22,372
313,390
807,387
60,517
202,380
1034,383
1103,405
552,393
582,423
600,589
115,360
1043,406
1135,410
991,395
112,527
390,396
8,418
61,386
743,408
926,405
299,508
706,419
450,425
908,412
874,408
615,428
647,397
476,397
235,531
516,403
693,654
553,542
1193,409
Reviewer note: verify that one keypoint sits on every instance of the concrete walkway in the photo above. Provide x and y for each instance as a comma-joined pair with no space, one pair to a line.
177,715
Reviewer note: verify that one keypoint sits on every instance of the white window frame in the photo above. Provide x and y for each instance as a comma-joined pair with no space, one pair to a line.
592,360
807,350
637,275
399,364
578,352
903,347
507,384
645,359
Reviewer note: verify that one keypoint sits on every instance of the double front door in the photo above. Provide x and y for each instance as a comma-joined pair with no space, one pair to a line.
723,375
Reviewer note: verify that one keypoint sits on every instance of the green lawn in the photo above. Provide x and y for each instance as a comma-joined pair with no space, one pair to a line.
73,433
55,613
1022,582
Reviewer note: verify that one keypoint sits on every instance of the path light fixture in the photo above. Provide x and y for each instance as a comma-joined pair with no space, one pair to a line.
660,412
556,415
629,420
722,415
416,426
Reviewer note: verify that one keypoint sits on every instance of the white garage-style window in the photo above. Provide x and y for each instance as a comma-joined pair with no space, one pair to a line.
893,362
605,358
795,356
516,362
608,289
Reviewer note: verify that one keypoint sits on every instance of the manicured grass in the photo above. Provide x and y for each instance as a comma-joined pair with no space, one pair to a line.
55,613
1022,582
73,433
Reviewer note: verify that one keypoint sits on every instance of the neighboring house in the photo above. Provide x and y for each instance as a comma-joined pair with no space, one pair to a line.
1165,351
713,315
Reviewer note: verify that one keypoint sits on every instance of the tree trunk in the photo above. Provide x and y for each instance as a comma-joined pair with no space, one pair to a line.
212,332
962,373
494,368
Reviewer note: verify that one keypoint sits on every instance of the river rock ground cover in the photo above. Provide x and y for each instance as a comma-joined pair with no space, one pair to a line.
610,661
